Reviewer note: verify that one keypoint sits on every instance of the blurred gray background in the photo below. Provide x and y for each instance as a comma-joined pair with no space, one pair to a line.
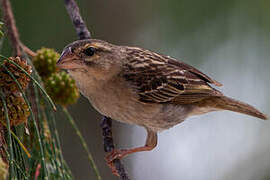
227,39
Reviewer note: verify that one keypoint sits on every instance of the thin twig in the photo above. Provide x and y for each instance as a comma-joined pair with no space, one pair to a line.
28,51
83,33
21,50
106,126
18,49
74,13
12,31
11,27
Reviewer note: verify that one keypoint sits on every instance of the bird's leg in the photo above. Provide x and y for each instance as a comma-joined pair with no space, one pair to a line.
150,144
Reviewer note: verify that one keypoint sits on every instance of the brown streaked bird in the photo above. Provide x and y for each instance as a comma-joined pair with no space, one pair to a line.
138,86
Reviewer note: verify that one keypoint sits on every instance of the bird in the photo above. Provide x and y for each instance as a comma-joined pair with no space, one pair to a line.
141,87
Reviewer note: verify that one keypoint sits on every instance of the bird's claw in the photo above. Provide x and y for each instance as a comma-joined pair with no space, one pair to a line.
115,154
113,168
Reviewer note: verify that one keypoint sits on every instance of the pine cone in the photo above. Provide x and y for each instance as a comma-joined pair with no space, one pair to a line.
7,83
62,88
3,169
18,110
45,62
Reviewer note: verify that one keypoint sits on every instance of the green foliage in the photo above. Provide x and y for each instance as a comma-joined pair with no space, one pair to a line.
59,85
45,62
32,150
62,88
45,160
1,29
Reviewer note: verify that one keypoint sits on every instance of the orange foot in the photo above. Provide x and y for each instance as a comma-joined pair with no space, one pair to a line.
151,143
115,154
113,168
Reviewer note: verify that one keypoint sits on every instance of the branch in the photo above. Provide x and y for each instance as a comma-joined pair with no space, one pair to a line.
12,31
106,125
74,13
18,47
28,51
11,26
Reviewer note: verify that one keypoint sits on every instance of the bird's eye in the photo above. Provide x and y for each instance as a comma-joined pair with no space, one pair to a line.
89,51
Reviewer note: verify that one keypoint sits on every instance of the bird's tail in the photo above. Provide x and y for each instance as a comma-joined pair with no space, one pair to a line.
226,103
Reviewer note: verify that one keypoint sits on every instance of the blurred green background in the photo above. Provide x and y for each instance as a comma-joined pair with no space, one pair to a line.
228,40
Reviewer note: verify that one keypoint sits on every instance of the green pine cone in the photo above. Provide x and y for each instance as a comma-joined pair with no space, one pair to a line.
62,88
45,62
7,83
18,110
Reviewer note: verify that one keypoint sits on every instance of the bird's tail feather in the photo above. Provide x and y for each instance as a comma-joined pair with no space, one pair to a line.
226,103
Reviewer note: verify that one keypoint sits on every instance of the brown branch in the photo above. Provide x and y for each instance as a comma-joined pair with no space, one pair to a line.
18,49
11,26
13,35
106,125
28,51
12,31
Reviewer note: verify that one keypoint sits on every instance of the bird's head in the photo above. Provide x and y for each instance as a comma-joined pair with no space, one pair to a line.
91,53
91,59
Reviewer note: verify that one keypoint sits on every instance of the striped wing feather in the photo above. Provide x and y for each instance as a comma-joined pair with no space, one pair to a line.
161,79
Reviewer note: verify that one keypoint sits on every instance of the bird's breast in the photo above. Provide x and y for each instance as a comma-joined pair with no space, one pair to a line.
117,100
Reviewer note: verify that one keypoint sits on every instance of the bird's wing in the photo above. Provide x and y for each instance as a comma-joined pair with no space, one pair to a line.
161,79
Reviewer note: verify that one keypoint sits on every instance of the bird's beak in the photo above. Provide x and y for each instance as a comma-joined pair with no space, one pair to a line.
68,60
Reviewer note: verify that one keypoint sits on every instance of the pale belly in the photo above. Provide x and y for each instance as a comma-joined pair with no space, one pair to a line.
110,102
123,105
156,117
